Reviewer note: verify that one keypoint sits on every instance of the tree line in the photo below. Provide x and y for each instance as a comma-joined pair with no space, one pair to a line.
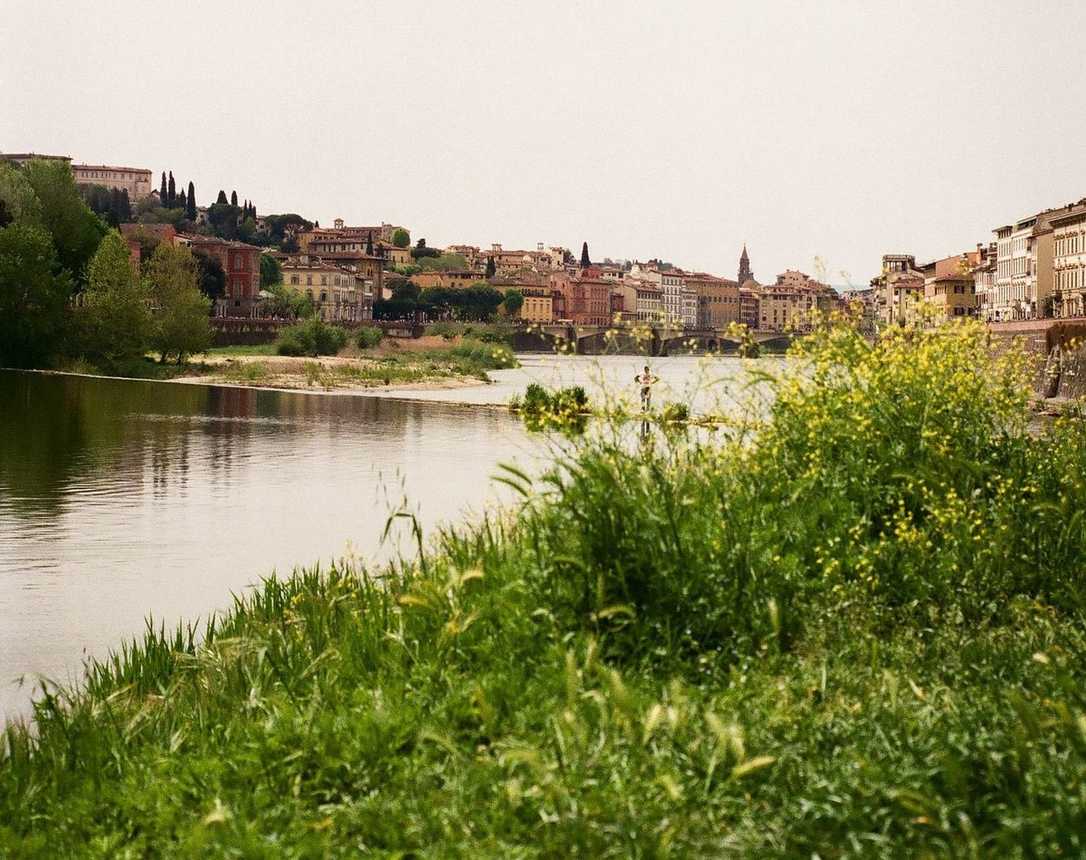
69,289
477,303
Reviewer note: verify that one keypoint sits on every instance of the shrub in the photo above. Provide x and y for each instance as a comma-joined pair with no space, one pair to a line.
675,413
312,337
369,337
447,330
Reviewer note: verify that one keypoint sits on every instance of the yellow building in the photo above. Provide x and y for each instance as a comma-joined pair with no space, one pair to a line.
455,279
338,295
538,305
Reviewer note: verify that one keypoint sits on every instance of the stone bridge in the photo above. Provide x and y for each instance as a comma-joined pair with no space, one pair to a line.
640,340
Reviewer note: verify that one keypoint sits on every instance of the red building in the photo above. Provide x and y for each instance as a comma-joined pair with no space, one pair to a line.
240,262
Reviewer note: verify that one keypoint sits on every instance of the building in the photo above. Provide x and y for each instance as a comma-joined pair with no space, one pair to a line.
717,298
649,303
745,274
457,279
898,290
750,304
538,305
1024,285
669,284
135,180
540,260
358,237
950,290
339,295
795,302
689,297
860,304
984,279
240,263
1069,260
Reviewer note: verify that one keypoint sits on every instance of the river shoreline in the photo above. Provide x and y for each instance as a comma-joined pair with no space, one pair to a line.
375,390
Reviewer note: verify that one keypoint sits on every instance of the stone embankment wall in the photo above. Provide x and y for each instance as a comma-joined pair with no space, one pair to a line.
1060,349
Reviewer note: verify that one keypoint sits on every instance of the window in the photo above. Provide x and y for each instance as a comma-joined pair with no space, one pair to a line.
294,279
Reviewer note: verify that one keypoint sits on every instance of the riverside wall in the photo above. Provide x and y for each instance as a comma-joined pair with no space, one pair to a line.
1059,347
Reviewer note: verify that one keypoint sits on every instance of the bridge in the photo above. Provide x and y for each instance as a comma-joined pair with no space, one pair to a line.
642,340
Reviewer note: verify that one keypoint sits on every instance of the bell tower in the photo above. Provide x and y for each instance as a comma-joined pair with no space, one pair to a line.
745,274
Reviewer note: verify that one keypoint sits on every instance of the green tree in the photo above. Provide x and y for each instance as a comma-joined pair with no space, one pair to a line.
440,262
210,276
190,203
271,272
76,231
401,238
234,199
491,267
286,302
33,296
247,230
404,290
17,197
115,319
585,261
513,302
180,325
223,219
163,192
171,193
222,197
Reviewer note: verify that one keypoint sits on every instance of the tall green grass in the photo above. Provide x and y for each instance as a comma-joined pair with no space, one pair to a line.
853,628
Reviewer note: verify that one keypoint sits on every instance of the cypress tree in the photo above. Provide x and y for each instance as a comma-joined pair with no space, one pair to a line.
171,192
182,202
491,268
233,198
126,206
162,190
585,262
369,244
222,197
114,207
190,204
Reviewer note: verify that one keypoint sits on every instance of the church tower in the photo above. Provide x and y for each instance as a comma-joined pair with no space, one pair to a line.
745,274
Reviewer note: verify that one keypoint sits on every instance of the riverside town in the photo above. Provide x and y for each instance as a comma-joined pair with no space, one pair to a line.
498,430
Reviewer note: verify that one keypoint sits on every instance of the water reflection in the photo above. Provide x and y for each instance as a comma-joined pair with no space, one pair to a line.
120,499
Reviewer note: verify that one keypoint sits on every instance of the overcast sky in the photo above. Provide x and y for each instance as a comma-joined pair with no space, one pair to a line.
677,130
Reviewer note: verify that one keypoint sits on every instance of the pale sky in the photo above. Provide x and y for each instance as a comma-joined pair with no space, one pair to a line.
677,130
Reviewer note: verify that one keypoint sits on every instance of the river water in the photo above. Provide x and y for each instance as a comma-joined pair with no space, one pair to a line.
124,499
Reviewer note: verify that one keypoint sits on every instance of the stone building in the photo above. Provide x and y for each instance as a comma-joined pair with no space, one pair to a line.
745,274
718,300
338,294
135,180
1069,260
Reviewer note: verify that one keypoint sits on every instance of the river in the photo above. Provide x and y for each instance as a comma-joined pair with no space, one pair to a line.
124,499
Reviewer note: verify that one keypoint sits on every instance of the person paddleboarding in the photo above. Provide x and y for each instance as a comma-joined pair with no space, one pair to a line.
646,380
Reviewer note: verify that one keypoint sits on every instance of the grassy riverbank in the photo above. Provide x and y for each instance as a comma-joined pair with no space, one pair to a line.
853,629
429,361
